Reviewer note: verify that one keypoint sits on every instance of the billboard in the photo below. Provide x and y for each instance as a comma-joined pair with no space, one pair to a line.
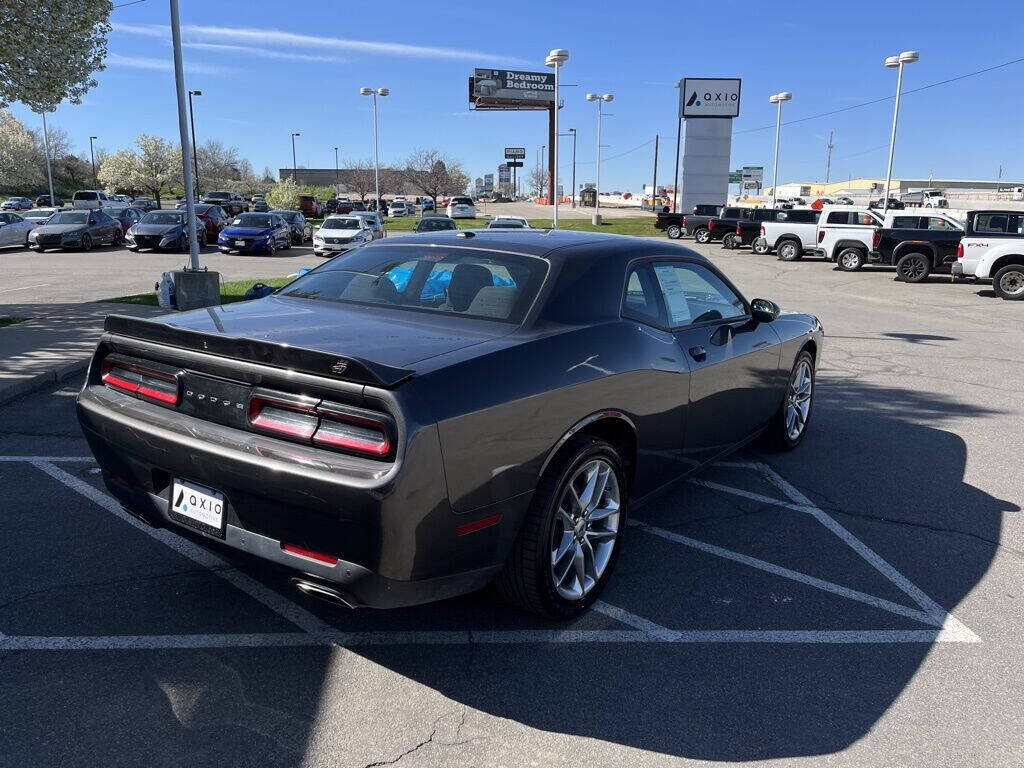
515,153
753,173
504,174
709,97
488,182
513,87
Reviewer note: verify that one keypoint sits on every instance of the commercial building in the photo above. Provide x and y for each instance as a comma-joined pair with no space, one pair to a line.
867,186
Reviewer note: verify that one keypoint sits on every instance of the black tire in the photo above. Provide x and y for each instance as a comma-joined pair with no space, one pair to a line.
850,259
1008,282
118,237
288,245
730,241
761,247
270,247
789,250
526,580
777,435
702,235
913,267
86,242
673,231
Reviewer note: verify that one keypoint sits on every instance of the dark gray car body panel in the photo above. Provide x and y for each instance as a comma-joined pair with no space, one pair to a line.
480,409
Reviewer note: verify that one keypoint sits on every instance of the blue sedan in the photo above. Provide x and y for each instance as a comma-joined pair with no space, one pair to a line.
255,233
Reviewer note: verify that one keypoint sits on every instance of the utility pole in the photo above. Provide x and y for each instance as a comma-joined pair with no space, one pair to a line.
92,156
195,156
337,180
654,186
828,163
573,132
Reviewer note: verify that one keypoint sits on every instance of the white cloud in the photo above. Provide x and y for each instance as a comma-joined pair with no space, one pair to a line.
161,65
265,53
276,37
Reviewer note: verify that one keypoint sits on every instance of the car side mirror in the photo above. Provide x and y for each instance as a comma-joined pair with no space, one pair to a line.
764,310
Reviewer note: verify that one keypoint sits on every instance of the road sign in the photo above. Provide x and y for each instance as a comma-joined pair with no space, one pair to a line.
514,163
735,177
515,153
753,173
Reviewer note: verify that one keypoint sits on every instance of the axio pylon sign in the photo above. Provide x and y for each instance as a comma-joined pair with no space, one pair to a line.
709,97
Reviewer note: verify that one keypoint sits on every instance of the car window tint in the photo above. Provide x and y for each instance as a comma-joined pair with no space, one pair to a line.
865,219
695,294
905,222
934,222
991,222
640,302
838,217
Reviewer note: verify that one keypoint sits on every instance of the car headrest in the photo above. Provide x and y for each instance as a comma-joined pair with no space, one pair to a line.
466,282
494,301
369,288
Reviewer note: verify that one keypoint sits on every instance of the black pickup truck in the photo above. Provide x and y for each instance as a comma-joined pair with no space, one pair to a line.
916,245
724,227
678,224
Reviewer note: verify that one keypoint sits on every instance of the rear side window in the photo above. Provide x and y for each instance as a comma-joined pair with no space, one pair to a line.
85,196
906,222
641,301
838,217
999,223
936,222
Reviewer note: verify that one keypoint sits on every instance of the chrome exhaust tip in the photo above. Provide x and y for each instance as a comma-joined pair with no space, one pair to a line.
321,591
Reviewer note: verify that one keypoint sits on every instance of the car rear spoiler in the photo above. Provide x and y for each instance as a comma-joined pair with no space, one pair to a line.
299,359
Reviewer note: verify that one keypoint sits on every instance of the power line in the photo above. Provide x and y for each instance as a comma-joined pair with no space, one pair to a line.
613,157
124,5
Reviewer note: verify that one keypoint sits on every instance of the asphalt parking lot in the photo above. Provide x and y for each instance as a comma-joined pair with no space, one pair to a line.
856,602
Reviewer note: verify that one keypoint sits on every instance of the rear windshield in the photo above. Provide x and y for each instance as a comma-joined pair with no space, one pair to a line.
219,195
163,217
85,196
461,201
460,282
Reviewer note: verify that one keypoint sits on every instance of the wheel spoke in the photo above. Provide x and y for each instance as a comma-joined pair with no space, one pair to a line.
600,535
602,513
579,563
586,497
564,547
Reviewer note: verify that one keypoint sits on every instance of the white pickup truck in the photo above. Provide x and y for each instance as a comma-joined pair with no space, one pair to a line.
846,234
993,246
791,235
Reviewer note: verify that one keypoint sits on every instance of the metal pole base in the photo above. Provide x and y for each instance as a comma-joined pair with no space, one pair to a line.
595,219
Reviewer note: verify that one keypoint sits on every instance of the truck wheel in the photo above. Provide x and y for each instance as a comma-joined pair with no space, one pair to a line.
572,533
1008,282
702,235
761,247
673,231
789,250
850,259
730,241
913,268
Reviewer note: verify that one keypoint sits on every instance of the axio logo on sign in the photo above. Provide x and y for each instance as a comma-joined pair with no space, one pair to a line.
709,97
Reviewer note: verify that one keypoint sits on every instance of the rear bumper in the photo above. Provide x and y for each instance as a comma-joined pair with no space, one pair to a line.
396,539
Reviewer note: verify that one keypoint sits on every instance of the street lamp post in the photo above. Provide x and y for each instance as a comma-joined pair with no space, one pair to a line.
92,157
295,165
607,97
195,156
376,141
556,58
777,98
675,178
337,179
572,131
897,62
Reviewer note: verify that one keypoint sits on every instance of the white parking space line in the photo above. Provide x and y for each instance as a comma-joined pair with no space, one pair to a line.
943,626
24,287
299,616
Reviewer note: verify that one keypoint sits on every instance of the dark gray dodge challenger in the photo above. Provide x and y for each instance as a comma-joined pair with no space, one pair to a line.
428,414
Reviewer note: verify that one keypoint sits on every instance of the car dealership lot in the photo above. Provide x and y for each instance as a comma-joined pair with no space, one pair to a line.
851,601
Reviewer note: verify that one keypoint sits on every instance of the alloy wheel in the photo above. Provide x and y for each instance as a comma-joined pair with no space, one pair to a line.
585,529
1012,283
798,400
913,269
787,251
850,260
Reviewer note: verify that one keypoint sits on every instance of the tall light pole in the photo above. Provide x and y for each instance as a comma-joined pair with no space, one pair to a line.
777,98
572,132
675,178
186,148
92,156
295,165
192,120
556,58
337,180
897,62
376,140
597,198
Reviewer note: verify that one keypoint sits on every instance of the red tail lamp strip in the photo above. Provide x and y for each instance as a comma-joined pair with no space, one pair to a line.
476,525
138,380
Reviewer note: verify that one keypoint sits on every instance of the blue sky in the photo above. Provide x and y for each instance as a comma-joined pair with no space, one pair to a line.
269,68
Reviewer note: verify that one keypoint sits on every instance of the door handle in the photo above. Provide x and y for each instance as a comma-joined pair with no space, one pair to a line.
698,353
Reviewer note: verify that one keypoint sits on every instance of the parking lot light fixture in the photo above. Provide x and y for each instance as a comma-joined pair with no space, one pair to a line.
92,156
675,179
777,98
895,62
195,155
602,99
556,58
376,141
295,166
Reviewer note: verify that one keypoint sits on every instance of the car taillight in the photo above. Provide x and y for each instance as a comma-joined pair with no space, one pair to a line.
738,230
821,235
960,251
138,380
876,238
283,415
711,225
684,221
762,230
350,430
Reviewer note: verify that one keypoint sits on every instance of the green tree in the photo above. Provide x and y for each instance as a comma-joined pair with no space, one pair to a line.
284,195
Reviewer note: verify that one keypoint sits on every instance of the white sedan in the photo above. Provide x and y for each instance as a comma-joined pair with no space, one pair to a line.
461,208
14,229
508,217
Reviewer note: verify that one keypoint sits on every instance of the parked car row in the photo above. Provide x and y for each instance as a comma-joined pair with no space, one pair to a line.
988,244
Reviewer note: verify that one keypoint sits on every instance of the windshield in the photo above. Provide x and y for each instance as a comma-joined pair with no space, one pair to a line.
70,218
219,195
287,215
251,220
341,224
461,282
163,217
434,225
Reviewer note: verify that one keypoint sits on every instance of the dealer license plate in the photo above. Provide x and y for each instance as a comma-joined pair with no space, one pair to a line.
240,243
197,506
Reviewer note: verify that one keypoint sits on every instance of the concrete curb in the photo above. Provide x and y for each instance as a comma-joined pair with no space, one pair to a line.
55,375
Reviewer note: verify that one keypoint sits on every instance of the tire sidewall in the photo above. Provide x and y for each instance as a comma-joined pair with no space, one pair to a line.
673,232
589,449
702,236
843,267
86,242
781,250
998,276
